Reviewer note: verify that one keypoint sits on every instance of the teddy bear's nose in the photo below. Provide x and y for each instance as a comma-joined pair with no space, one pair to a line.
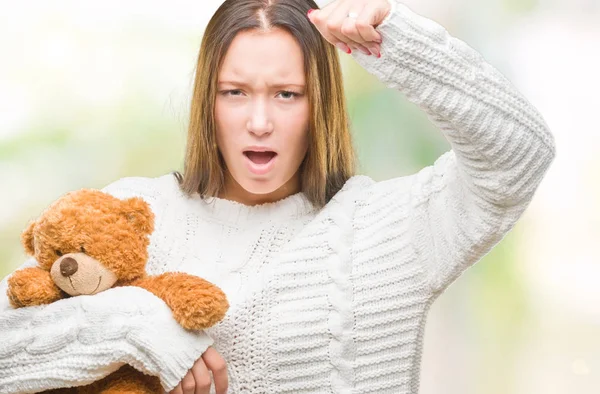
68,266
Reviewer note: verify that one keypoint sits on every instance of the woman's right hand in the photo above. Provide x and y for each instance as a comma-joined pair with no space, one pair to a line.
197,380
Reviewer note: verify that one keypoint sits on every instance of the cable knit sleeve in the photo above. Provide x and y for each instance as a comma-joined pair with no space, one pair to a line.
78,340
461,206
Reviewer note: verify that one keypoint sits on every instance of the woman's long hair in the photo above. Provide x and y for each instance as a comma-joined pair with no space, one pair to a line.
330,159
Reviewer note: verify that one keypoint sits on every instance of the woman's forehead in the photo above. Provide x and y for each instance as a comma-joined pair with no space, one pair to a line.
274,54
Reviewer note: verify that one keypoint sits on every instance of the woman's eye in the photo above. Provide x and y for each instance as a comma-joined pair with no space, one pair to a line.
289,95
58,253
227,92
293,94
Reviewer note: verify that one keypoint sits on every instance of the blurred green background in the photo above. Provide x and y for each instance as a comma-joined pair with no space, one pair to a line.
91,92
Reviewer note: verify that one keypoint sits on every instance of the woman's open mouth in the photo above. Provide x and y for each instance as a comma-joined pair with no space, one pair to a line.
260,162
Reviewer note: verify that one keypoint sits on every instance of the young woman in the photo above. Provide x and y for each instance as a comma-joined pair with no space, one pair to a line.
329,274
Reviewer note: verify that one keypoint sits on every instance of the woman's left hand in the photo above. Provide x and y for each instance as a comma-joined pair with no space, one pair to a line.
345,32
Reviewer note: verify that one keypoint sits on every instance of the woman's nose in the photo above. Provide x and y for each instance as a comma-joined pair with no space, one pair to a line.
260,122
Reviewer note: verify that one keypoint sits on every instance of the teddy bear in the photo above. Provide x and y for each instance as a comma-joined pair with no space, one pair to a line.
88,241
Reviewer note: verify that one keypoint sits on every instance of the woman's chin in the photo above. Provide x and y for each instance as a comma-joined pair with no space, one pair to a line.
260,186
270,186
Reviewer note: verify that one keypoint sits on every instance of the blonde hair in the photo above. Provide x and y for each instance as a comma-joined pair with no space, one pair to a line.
330,160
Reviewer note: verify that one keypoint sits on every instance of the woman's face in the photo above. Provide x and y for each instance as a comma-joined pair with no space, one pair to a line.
261,104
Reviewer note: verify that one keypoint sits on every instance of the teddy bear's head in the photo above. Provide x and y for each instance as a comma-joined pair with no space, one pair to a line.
90,240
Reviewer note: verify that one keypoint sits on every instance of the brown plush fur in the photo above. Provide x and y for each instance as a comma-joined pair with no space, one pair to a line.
126,380
32,286
106,236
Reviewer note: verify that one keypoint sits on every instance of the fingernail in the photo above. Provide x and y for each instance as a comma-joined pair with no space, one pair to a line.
343,47
309,11
366,52
374,51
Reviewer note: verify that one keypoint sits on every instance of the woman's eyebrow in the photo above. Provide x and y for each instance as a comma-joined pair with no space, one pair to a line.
274,85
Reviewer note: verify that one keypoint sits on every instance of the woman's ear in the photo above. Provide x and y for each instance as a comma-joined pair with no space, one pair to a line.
138,213
27,238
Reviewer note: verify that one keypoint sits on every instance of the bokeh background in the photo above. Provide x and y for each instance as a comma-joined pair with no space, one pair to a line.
97,90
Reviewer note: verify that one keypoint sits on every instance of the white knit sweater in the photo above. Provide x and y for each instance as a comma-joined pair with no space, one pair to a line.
328,301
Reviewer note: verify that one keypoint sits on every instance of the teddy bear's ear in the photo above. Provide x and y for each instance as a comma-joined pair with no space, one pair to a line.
27,238
138,213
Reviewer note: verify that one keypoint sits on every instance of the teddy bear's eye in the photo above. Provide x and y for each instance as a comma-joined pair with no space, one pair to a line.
82,249
58,252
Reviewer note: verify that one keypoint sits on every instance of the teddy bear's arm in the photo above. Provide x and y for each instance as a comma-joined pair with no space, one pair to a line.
195,302
32,286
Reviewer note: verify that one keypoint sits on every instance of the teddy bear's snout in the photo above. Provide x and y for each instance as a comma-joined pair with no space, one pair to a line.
68,266
80,273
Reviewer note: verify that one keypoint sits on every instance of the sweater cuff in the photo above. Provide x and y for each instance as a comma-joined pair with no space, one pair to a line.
79,340
386,20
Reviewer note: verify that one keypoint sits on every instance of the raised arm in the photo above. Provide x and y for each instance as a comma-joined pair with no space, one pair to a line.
78,340
461,206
